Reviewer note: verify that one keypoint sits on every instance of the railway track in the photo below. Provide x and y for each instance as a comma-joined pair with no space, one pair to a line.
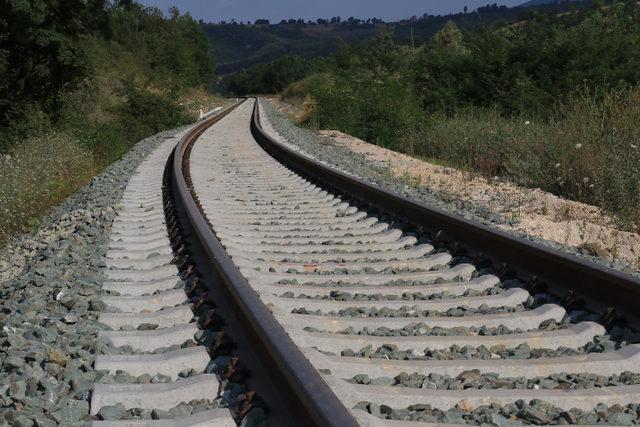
349,305
155,365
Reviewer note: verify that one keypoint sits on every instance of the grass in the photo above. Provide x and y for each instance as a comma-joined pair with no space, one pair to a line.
98,124
587,150
39,173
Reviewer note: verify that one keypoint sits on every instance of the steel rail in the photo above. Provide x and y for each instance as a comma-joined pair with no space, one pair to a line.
310,400
603,287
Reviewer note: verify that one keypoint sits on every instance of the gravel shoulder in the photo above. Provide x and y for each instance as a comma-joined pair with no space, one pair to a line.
539,216
49,297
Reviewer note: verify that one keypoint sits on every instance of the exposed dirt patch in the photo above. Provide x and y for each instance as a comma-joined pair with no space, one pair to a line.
529,211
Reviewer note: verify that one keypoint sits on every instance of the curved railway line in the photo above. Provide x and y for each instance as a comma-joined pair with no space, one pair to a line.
341,304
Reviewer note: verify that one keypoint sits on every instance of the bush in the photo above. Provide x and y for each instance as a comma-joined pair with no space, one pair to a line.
146,112
40,52
137,114
377,111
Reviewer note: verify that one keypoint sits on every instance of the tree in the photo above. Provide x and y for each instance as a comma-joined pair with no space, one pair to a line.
41,53
268,78
450,38
125,4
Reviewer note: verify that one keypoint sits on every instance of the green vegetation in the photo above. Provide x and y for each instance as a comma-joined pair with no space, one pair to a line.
552,102
239,45
587,150
38,173
269,78
83,80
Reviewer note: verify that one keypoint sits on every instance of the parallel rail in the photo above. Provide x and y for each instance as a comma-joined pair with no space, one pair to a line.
300,384
604,287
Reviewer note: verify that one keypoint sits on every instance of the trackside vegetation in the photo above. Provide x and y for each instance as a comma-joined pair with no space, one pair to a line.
550,102
82,81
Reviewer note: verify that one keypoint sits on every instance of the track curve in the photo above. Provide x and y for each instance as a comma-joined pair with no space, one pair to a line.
369,304
349,304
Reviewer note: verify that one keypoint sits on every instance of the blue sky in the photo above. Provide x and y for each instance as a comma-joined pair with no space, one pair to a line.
275,10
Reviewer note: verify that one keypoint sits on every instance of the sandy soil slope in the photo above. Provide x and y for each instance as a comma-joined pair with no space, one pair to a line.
530,211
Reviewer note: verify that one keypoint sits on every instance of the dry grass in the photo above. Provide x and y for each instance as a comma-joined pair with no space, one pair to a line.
196,100
39,174
589,151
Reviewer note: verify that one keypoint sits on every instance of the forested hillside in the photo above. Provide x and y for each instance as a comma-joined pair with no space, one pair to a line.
82,80
238,45
550,102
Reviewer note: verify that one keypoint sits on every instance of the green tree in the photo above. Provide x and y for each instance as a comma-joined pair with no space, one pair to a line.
269,78
383,55
41,53
450,38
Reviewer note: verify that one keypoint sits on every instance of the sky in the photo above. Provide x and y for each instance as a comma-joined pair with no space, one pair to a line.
276,10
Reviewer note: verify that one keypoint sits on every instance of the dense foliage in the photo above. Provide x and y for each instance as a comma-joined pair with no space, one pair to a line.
527,68
91,77
239,45
175,50
269,78
45,50
40,51
552,102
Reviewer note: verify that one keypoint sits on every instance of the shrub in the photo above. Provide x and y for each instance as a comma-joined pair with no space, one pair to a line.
379,111
137,114
146,112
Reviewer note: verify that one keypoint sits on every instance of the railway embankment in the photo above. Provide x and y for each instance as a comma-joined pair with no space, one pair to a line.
574,227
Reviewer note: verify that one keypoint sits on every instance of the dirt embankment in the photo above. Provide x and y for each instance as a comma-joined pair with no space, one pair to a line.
529,211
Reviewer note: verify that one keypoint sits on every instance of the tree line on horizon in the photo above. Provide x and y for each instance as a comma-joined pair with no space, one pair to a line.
490,7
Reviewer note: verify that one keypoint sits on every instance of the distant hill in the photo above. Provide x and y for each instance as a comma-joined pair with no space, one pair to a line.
533,3
240,45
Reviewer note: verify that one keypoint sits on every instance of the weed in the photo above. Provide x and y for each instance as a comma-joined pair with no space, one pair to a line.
37,174
586,152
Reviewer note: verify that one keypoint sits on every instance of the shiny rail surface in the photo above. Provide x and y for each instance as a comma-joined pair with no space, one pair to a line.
350,303
352,292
